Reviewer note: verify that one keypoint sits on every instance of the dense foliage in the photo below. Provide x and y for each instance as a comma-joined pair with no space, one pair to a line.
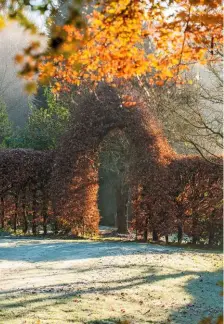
169,193
105,40
23,188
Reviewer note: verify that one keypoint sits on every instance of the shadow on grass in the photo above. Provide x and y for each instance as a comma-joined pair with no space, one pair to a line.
207,299
27,301
203,289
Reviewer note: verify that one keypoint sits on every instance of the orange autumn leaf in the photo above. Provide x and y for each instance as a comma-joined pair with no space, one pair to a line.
19,58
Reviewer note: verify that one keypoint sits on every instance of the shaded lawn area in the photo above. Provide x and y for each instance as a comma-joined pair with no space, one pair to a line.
53,281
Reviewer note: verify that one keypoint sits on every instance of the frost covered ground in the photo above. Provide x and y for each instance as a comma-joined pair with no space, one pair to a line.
64,281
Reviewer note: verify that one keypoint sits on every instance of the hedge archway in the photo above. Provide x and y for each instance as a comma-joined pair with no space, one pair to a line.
75,176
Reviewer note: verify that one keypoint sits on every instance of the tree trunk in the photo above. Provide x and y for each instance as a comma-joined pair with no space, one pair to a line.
211,234
194,231
155,236
44,213
15,214
167,239
194,239
146,229
180,233
146,235
211,238
34,207
25,222
2,212
24,214
55,225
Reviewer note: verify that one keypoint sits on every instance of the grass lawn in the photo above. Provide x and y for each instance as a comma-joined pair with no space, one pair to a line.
68,281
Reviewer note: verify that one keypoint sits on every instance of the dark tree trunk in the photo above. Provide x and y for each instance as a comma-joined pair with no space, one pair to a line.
155,236
146,230
211,234
15,214
45,224
83,227
194,239
180,233
24,214
195,224
34,220
25,221
55,225
211,238
44,212
167,239
146,235
2,212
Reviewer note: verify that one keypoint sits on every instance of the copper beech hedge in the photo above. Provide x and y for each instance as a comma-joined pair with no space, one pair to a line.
24,192
170,193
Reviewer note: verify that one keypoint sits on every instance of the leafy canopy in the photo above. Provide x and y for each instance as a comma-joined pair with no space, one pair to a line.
121,39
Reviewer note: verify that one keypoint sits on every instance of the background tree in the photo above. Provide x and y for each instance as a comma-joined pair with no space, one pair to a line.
5,125
191,114
44,126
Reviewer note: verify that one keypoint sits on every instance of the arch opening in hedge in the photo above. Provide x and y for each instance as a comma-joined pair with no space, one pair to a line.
75,181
